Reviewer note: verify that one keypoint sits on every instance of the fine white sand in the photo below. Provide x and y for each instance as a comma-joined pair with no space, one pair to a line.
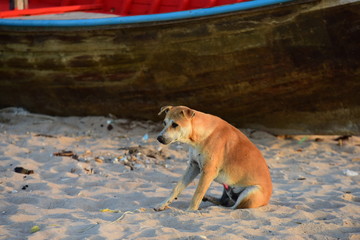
120,172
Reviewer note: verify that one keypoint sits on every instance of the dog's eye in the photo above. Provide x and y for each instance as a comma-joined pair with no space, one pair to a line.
174,125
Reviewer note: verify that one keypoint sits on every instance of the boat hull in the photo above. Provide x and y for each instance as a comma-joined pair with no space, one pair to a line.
288,69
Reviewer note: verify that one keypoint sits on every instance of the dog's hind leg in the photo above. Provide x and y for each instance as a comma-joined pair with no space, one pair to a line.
250,197
212,199
223,201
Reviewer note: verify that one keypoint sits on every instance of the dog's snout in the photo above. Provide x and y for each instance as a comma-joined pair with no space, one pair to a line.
161,139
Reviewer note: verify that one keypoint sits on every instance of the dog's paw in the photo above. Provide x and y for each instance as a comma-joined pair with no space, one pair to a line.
160,208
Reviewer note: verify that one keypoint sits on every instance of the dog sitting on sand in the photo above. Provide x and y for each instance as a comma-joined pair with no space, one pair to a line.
221,153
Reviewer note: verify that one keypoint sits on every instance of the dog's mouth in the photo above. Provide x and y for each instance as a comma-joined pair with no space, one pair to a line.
163,140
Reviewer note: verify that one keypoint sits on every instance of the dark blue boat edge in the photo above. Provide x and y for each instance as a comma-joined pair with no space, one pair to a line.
181,15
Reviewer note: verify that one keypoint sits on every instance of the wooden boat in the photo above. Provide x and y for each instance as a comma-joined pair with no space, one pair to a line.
281,65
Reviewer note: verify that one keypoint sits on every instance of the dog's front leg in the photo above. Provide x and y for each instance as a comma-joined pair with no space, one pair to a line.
190,174
207,176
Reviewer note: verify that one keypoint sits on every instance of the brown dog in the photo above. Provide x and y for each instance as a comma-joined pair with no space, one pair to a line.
219,152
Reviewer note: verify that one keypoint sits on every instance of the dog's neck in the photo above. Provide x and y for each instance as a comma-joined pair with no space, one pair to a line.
202,128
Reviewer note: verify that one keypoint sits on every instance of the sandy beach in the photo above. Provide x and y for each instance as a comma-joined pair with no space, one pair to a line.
100,177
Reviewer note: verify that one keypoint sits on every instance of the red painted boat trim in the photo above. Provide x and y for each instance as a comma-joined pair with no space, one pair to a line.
51,10
120,7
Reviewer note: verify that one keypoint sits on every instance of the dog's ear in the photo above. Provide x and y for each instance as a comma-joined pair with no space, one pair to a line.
165,109
188,113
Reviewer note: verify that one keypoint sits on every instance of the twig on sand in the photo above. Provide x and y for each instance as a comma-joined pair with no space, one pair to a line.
118,219
122,216
128,212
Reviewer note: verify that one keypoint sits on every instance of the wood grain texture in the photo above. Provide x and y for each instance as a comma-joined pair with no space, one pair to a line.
288,69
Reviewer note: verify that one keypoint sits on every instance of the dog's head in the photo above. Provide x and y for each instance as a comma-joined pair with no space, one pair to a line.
177,124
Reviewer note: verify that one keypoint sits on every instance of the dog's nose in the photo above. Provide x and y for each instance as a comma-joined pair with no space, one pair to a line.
161,139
